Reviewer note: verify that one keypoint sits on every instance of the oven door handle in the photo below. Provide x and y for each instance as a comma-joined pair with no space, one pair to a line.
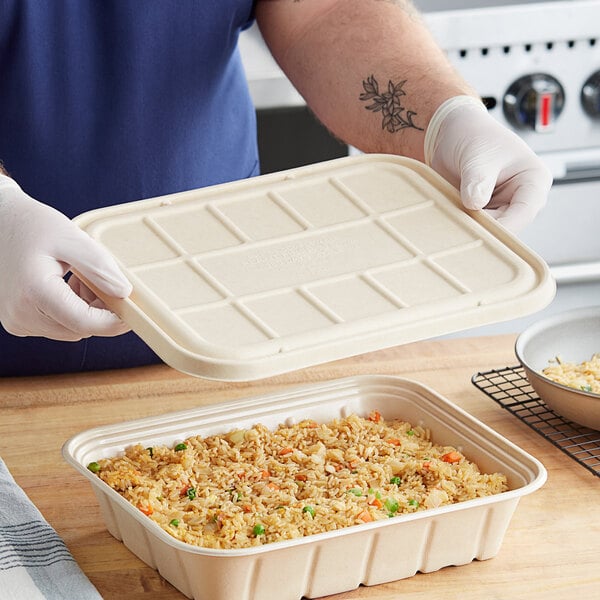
576,272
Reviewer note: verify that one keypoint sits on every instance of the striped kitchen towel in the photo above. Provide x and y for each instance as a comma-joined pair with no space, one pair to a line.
35,564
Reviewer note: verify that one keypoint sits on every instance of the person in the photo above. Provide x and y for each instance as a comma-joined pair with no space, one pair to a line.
108,102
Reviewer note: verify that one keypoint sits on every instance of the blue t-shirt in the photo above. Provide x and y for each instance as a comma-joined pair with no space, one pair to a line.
104,102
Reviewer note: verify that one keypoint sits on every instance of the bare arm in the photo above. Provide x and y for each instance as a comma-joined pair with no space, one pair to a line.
369,69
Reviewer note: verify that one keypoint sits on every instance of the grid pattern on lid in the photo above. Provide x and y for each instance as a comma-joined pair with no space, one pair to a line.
318,254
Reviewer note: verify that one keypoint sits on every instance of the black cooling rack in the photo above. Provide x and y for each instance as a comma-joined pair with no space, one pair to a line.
511,390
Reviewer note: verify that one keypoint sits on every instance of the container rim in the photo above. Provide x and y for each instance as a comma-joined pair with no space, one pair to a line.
537,469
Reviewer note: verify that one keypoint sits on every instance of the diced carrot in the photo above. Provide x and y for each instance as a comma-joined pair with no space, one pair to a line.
301,477
394,441
265,474
313,425
339,467
427,465
246,508
184,490
376,502
241,474
147,510
375,416
365,516
285,451
452,457
272,485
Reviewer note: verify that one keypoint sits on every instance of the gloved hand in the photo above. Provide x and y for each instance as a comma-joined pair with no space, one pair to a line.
38,246
491,166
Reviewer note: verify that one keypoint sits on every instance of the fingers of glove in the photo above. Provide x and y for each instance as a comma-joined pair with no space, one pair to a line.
475,191
474,169
522,197
482,165
40,303
522,209
36,229
42,326
24,318
62,306
93,262
7,183
479,155
46,328
520,185
85,293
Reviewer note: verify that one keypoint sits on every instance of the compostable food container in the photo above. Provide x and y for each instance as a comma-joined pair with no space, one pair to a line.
332,562
249,279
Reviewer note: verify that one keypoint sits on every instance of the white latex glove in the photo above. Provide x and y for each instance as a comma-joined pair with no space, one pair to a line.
38,246
491,166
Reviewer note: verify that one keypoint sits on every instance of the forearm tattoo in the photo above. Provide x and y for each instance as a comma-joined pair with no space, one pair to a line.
395,116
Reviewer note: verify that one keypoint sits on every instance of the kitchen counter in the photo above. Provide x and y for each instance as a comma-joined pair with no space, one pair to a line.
551,549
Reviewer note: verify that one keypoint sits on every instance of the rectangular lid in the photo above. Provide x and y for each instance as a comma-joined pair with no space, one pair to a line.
249,279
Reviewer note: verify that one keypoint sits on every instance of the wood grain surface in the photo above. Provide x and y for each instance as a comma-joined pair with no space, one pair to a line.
551,549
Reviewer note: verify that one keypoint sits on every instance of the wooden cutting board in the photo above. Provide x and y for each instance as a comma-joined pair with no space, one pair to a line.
551,549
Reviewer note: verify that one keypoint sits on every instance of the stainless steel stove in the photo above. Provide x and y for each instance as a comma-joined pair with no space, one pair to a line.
537,66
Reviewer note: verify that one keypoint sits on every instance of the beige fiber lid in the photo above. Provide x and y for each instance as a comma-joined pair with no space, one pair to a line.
249,279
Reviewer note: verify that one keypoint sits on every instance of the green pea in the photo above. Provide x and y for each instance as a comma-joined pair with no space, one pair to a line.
174,523
180,447
391,505
94,467
258,529
395,481
310,510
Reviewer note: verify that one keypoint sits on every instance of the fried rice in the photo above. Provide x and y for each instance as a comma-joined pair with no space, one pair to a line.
255,486
583,376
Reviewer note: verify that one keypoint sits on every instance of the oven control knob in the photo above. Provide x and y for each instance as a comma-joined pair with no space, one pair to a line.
534,102
590,95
